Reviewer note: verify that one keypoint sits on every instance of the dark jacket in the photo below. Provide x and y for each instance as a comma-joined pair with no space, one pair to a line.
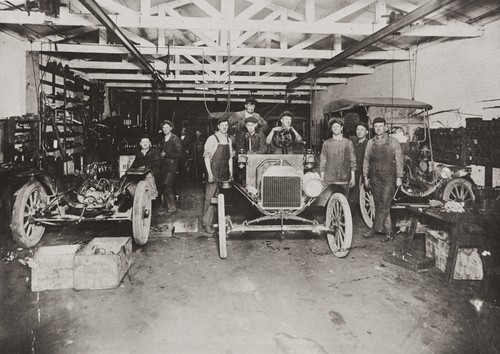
237,122
152,160
172,149
359,151
257,141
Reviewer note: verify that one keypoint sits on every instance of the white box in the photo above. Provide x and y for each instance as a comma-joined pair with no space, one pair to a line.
52,267
102,263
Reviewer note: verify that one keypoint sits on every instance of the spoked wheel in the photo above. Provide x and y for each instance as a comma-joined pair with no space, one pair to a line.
30,199
459,190
221,212
141,213
366,205
339,220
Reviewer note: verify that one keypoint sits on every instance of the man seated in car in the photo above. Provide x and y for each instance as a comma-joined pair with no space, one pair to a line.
149,158
251,141
281,139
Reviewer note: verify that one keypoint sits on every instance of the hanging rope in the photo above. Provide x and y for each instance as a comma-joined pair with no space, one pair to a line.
228,104
392,81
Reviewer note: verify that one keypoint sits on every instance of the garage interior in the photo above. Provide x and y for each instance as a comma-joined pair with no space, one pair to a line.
82,81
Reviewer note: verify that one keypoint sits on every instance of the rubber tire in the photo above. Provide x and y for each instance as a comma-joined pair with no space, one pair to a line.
459,182
221,213
366,200
21,234
142,206
339,213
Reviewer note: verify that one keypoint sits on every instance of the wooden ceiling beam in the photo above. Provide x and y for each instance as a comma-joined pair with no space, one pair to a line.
198,23
424,10
236,86
213,79
197,51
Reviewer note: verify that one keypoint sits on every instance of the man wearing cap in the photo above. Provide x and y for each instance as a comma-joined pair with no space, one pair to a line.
281,139
148,157
170,152
217,155
237,120
337,164
251,141
382,171
359,142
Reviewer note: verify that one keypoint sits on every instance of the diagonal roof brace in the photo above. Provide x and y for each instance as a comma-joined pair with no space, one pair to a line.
101,15
420,12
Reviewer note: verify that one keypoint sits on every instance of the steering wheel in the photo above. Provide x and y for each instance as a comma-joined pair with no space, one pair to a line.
282,139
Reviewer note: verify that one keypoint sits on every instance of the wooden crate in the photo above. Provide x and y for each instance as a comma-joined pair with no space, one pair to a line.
437,246
102,263
52,267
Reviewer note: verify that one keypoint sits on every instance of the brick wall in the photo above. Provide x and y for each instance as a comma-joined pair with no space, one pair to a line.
452,74
12,76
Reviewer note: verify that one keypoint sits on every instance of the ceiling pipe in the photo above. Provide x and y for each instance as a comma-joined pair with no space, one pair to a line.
101,15
422,11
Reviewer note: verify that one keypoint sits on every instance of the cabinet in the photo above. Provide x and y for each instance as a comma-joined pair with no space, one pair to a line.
19,139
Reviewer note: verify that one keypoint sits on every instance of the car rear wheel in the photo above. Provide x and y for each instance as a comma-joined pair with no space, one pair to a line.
459,190
366,205
339,221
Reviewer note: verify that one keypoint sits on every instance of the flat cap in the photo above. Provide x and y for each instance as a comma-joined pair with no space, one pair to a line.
168,122
222,119
287,114
250,99
251,119
379,120
335,120
363,124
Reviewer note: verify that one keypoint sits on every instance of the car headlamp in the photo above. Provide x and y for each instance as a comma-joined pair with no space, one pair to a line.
444,172
312,184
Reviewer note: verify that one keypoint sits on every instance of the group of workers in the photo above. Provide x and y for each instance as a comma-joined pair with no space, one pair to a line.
378,160
342,161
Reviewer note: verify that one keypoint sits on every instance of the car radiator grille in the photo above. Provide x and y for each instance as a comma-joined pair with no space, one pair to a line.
281,192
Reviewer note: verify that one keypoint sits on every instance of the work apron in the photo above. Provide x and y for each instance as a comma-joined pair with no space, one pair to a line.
220,161
383,183
220,170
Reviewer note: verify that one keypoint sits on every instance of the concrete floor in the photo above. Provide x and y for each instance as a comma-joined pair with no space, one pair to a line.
271,295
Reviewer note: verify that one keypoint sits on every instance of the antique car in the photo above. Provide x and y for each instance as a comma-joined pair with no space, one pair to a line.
88,196
408,121
277,186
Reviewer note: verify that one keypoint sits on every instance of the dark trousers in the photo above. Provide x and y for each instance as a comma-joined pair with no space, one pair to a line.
383,191
168,190
354,194
211,190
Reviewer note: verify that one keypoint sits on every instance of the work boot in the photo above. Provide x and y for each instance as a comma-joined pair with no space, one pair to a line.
388,237
370,233
208,229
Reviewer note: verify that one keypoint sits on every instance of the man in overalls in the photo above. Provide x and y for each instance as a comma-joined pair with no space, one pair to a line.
382,171
217,155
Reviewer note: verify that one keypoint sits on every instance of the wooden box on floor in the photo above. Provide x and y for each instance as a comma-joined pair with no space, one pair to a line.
52,268
102,263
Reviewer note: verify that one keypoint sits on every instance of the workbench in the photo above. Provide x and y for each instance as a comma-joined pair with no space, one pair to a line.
466,230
